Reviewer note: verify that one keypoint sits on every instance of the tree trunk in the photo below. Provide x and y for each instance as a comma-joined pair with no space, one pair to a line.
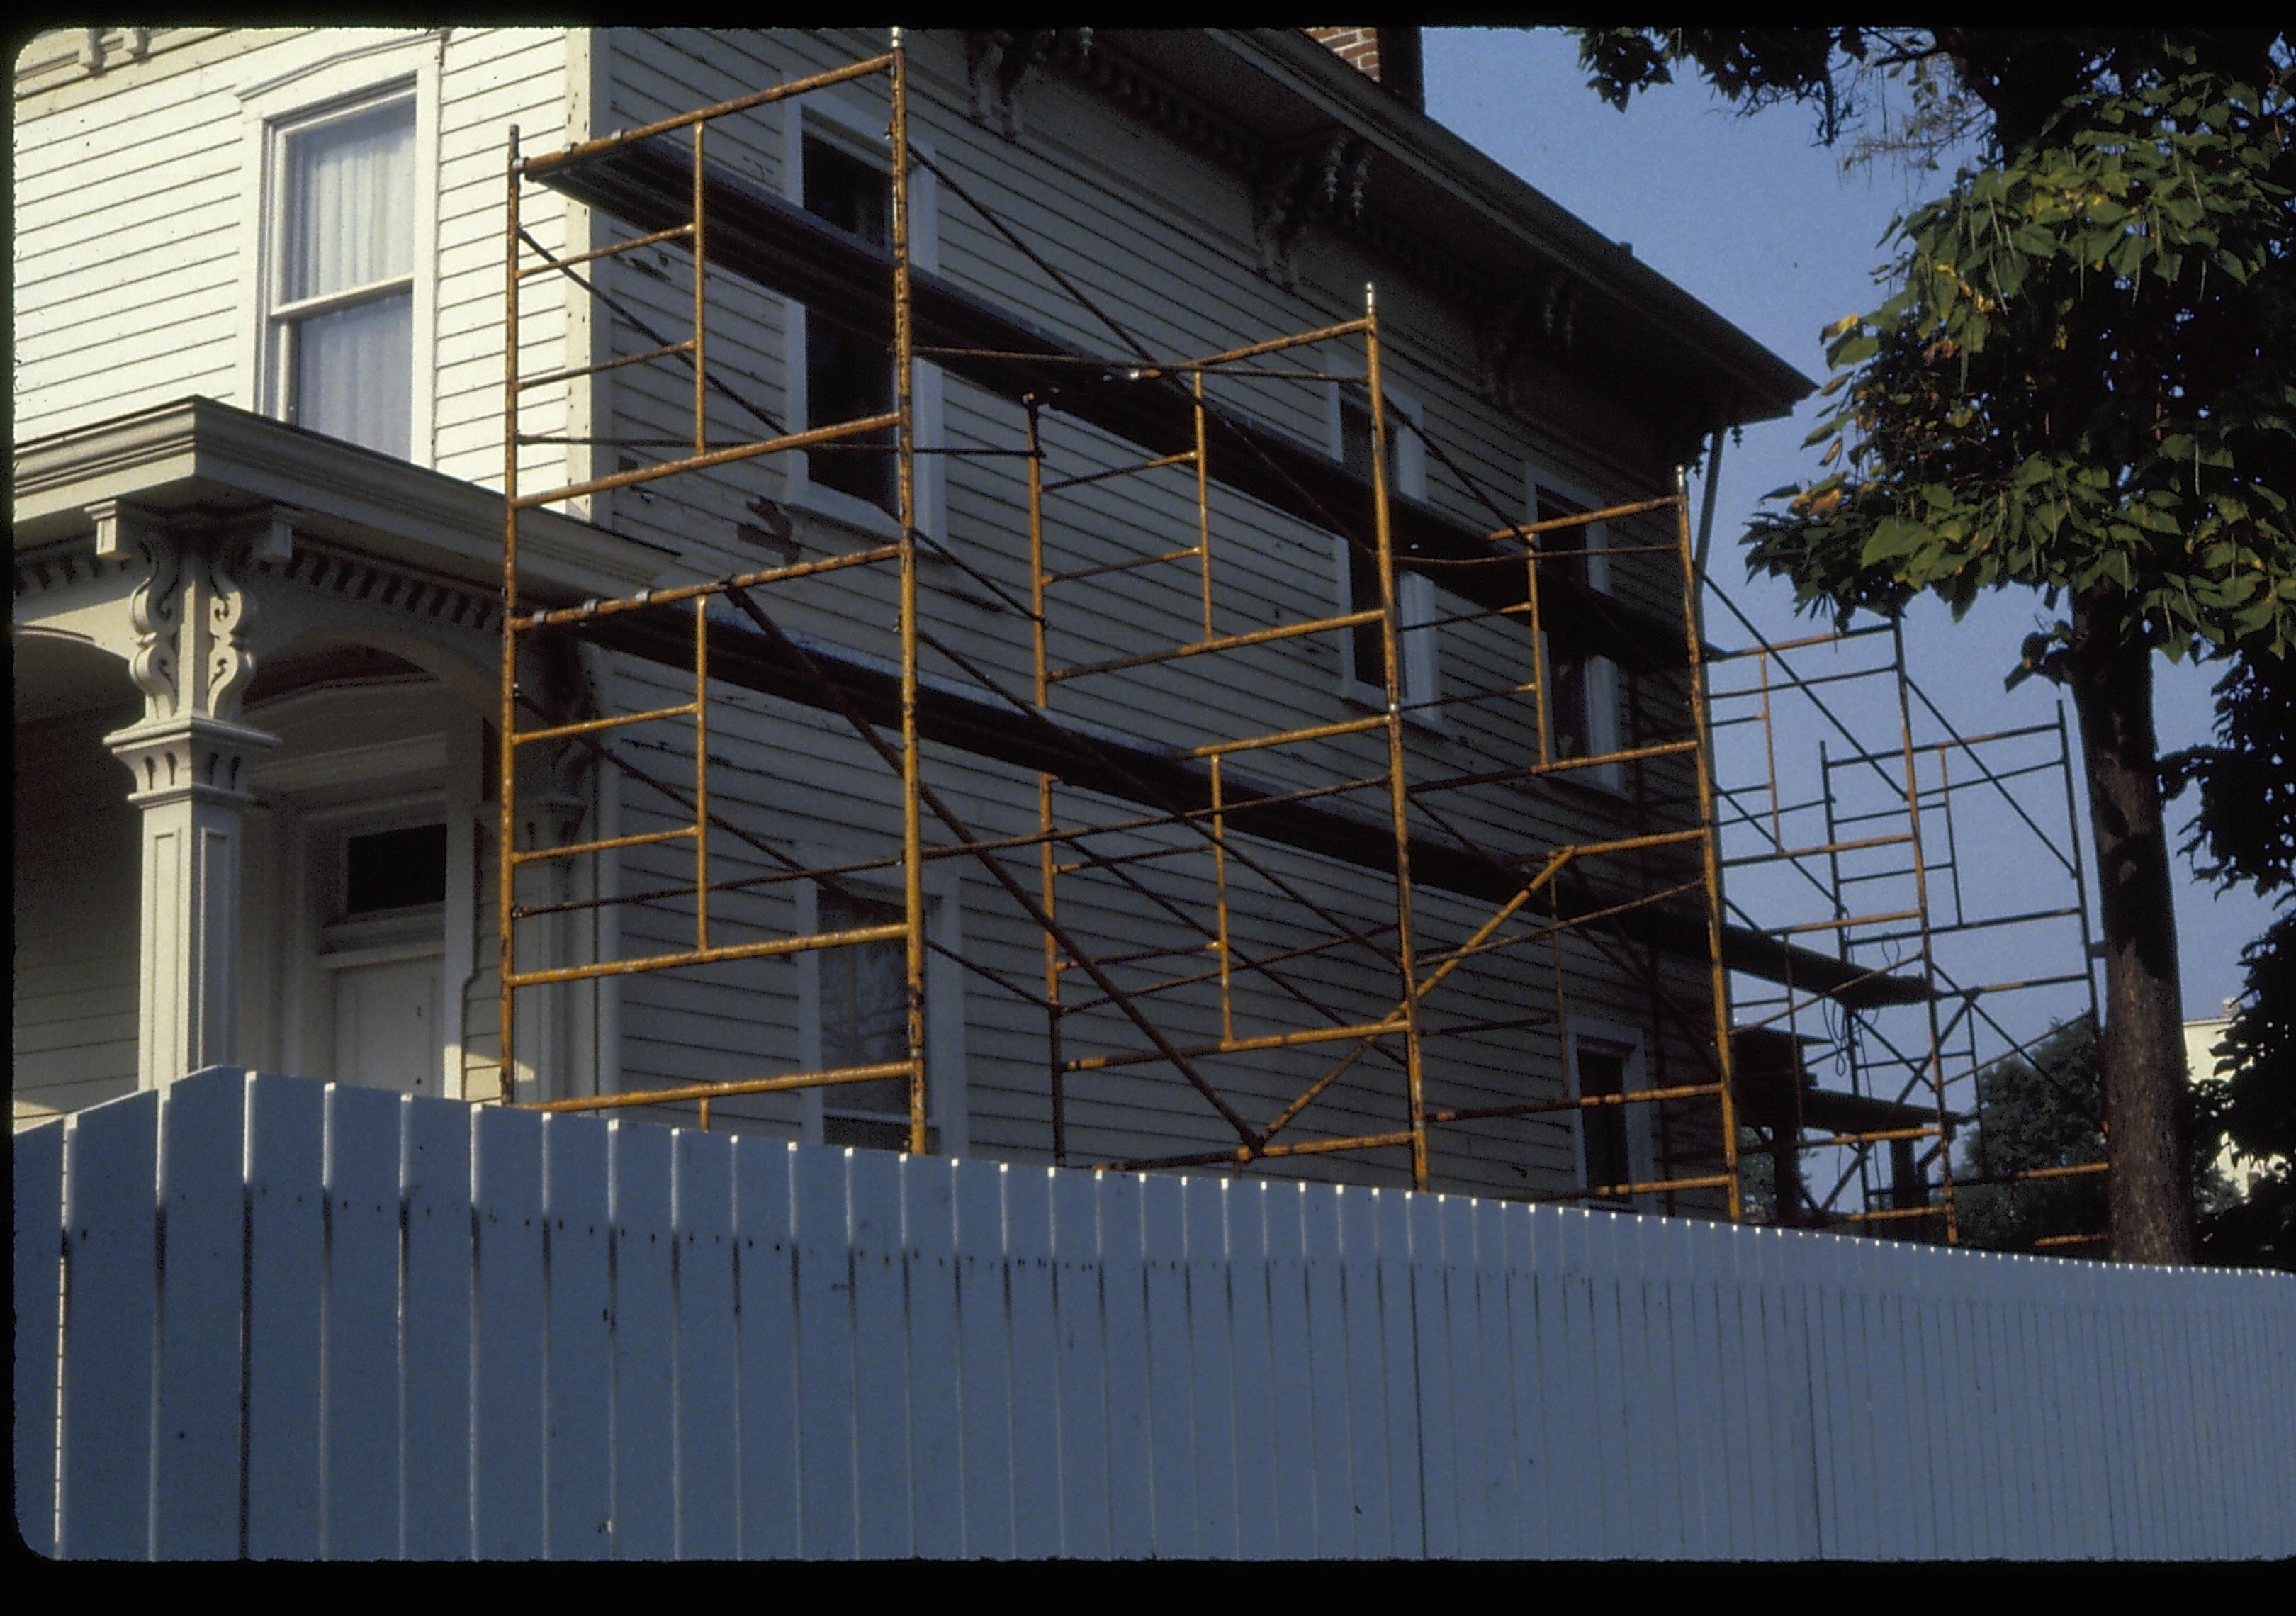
2140,1048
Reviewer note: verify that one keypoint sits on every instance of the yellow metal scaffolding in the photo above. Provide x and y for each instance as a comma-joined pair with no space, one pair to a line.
1199,1008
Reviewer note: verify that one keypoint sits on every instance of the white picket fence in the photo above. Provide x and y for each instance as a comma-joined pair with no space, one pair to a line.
355,1326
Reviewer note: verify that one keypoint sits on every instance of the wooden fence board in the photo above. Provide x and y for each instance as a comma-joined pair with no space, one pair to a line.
1212,1364
881,1367
1370,1414
509,1335
202,1196
1329,1344
111,1264
1171,1419
1255,1371
1037,1491
582,1329
985,1348
362,1440
827,1392
1405,1474
286,1269
709,1348
38,1199
765,1275
1124,1301
936,1360
436,1323
1081,1356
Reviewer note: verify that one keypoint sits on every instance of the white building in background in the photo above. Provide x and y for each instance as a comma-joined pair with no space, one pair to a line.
2200,1040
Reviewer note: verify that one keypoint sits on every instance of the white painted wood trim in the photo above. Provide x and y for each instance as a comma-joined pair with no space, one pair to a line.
334,74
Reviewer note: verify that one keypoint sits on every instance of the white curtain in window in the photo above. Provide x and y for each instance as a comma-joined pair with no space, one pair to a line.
353,372
350,201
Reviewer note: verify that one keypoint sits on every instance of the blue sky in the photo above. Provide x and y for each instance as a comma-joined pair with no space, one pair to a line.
1750,217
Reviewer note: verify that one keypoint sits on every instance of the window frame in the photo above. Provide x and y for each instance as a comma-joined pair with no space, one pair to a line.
1414,591
332,81
946,1111
1600,711
1613,1039
858,132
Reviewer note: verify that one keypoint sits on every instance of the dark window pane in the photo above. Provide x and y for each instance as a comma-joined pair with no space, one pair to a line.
1603,1071
395,869
1570,730
1569,544
1363,595
851,193
1570,724
874,1133
848,374
848,377
1368,642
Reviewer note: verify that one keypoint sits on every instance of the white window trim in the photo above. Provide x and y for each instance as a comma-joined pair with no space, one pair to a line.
1414,591
319,946
316,799
862,131
1642,1165
1604,719
945,1107
336,80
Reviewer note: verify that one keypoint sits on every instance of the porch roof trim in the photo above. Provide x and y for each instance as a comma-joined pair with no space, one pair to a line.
198,454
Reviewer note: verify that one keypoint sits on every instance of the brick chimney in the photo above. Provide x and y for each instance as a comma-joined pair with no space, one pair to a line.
1389,56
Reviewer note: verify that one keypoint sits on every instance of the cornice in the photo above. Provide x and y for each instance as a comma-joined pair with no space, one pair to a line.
1146,94
1529,239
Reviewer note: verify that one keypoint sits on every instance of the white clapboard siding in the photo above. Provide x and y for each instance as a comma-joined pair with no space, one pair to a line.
455,1331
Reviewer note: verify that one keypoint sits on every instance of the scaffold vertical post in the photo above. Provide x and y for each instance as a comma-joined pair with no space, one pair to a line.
905,469
506,823
1921,907
1398,786
1048,876
1709,845
1203,506
1037,545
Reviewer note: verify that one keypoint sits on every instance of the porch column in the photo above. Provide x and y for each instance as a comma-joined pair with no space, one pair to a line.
189,773
188,623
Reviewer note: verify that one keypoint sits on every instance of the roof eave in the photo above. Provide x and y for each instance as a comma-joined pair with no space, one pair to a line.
1758,385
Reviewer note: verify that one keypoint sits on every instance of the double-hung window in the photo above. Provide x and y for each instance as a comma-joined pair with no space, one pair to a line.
1582,689
835,167
1614,1140
342,309
855,1012
1363,654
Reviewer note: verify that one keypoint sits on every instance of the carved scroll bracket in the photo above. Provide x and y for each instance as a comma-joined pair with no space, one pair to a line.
192,613
1322,177
998,61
